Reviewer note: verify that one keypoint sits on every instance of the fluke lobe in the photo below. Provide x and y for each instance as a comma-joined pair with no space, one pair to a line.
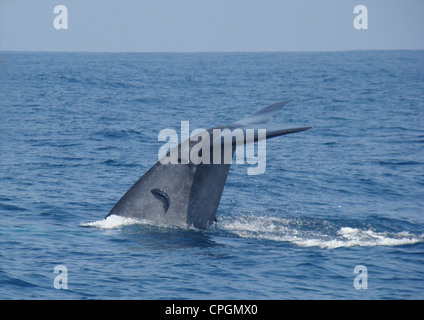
187,194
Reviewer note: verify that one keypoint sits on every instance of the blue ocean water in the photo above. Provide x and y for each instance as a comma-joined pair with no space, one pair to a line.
78,129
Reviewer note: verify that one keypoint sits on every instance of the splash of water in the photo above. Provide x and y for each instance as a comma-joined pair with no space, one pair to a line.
307,233
300,232
112,222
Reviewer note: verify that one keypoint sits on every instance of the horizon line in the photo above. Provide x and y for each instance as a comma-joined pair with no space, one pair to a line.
201,51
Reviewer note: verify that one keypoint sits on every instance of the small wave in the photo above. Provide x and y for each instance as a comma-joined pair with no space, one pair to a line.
118,134
11,207
69,79
399,163
305,233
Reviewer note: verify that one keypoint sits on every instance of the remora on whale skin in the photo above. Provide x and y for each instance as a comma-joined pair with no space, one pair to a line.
186,194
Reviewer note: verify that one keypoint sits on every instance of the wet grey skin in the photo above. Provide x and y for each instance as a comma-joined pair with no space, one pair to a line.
186,194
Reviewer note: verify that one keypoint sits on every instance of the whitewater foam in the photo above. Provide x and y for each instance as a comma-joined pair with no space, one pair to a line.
300,232
307,233
113,222
364,238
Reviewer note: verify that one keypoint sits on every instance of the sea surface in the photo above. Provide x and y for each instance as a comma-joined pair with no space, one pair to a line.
78,129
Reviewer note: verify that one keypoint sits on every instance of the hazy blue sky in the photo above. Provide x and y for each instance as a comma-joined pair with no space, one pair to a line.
202,25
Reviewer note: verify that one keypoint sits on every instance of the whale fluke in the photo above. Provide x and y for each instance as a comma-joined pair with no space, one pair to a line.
264,114
188,194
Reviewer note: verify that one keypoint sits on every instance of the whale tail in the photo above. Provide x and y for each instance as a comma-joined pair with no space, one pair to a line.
264,114
258,120
188,194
